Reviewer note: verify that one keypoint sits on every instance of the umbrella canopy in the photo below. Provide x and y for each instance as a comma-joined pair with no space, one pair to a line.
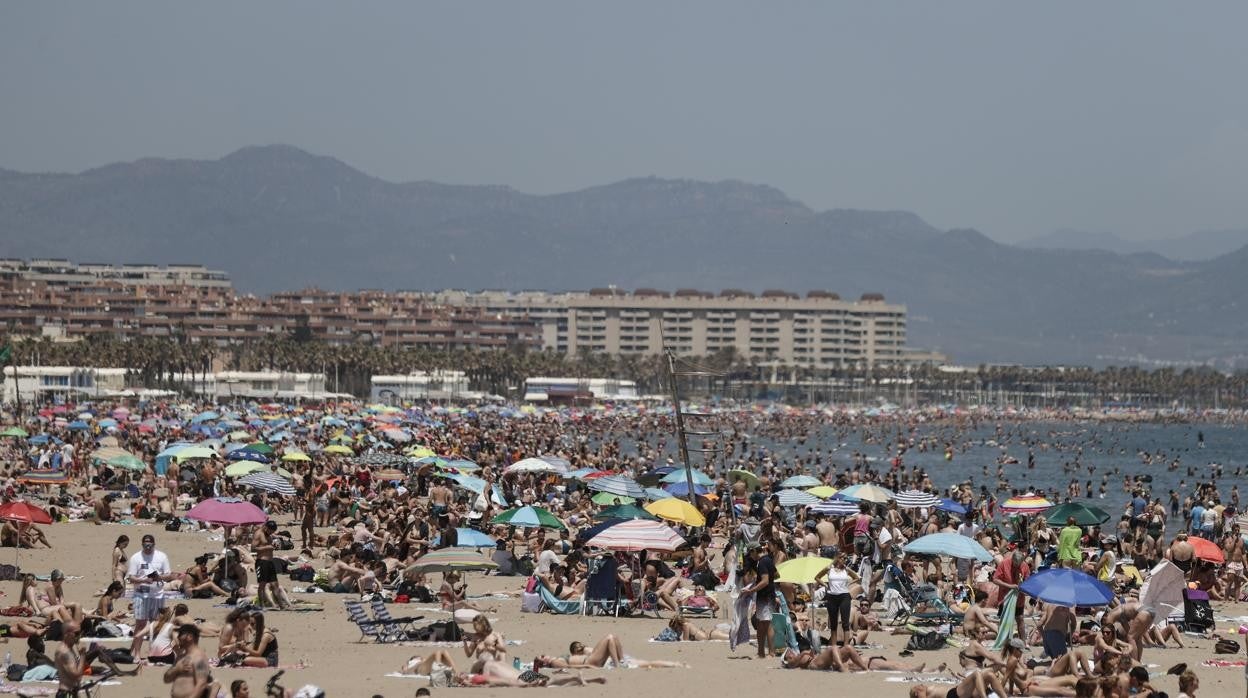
835,507
618,485
420,452
338,449
1030,503
191,452
24,512
637,534
750,479
1207,550
866,493
654,493
678,476
796,498
259,447
534,465
451,559
916,499
268,482
608,499
950,545
472,538
107,453
227,511
247,467
1066,587
127,462
14,432
801,570
948,505
45,477
295,456
529,517
822,491
681,489
676,510
801,481
624,511
1084,515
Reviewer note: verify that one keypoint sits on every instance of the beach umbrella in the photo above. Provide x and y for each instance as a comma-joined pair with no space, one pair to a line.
676,510
192,452
420,452
239,436
801,481
678,476
259,447
390,475
681,489
866,493
269,482
822,491
529,517
295,456
24,512
655,477
247,467
608,499
618,485
451,559
107,453
801,570
950,545
952,507
14,432
654,493
227,511
127,462
78,425
1207,550
1066,587
462,464
750,479
204,417
1026,504
45,477
557,461
624,511
633,535
916,499
380,460
338,449
796,498
835,507
584,473
534,465
1084,515
472,538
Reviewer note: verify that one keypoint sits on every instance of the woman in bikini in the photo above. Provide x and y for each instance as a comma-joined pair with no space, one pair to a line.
263,650
607,649
689,632
120,559
484,642
436,661
38,603
844,658
105,609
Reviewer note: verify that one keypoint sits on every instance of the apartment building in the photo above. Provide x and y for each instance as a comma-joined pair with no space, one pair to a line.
62,272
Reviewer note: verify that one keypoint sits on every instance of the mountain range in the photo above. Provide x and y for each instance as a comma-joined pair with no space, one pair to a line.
276,217
1192,247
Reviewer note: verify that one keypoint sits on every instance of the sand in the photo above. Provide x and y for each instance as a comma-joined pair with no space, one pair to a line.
344,667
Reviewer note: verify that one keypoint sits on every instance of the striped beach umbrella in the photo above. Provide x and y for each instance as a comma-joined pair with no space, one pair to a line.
866,493
45,477
269,482
835,507
633,535
535,465
1027,505
796,498
915,499
618,485
801,481
529,517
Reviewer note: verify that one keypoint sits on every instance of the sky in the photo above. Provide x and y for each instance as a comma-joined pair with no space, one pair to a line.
1016,119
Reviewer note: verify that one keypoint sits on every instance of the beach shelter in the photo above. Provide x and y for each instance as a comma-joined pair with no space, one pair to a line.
676,510
801,570
1066,587
618,485
1026,504
227,511
950,544
451,559
1085,515
916,499
635,535
866,493
1163,590
529,517
796,498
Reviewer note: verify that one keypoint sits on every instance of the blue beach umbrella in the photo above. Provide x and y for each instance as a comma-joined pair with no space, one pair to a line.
1065,587
949,544
472,538
681,489
678,475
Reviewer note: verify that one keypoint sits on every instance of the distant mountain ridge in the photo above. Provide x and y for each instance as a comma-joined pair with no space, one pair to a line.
1193,247
276,217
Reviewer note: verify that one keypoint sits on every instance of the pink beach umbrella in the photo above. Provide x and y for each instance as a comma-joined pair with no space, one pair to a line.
227,511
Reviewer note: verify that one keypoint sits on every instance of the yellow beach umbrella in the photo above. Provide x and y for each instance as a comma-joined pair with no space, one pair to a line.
822,491
676,510
801,570
296,456
339,449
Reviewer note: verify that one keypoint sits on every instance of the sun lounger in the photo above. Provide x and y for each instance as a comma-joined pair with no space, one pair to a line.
557,605
378,631
602,589
391,624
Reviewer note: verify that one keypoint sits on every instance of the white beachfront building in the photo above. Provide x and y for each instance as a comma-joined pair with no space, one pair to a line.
421,385
38,383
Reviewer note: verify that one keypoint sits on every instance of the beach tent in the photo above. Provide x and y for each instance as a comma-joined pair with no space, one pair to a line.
1164,589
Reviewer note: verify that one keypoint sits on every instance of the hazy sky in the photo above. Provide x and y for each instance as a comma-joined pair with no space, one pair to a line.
1013,118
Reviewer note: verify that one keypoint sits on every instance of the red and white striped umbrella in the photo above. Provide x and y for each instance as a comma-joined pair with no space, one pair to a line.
637,534
1026,504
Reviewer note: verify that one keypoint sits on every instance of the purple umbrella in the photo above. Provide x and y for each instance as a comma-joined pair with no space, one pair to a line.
227,511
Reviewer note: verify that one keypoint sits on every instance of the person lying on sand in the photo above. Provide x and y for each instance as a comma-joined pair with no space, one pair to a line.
607,649
500,675
844,659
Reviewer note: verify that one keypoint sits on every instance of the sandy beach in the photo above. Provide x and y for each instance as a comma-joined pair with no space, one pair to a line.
344,667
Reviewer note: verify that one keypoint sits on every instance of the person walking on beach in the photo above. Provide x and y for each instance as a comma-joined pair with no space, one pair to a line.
764,590
1068,554
266,569
147,572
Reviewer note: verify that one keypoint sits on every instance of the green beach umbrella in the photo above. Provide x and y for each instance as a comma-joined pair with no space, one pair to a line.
529,517
127,462
15,432
1085,515
607,499
624,511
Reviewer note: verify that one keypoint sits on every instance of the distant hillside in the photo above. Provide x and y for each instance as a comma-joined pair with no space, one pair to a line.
280,218
1192,247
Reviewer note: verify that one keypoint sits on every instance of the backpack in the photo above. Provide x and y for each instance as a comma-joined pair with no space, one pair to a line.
15,672
926,641
303,574
173,525
9,573
1225,646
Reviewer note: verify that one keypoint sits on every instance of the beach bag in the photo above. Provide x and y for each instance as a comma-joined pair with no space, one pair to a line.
121,655
926,641
173,525
9,573
1225,646
303,574
15,672
531,585
667,635
107,628
530,603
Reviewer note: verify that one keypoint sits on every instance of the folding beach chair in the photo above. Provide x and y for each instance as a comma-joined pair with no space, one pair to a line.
602,588
557,605
923,603
369,628
782,626
395,626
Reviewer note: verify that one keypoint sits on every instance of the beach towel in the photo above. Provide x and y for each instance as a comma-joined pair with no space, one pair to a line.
740,621
557,605
1006,630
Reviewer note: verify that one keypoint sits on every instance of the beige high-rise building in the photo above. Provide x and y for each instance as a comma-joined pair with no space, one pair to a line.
820,330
